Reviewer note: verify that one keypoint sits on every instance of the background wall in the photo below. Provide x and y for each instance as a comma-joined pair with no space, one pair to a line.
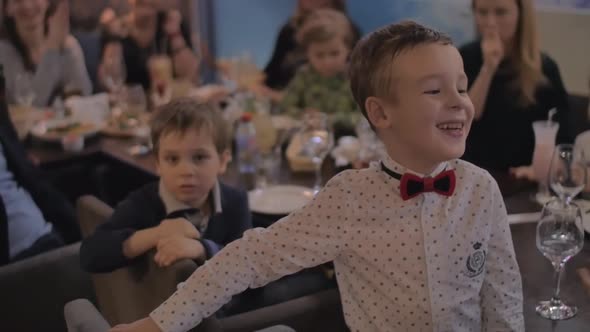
248,26
252,26
565,36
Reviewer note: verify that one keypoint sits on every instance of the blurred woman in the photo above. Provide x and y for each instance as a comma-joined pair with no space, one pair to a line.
151,31
36,44
512,84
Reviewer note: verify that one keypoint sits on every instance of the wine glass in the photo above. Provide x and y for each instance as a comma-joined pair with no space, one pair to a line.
115,73
136,100
23,89
560,236
567,173
270,153
317,141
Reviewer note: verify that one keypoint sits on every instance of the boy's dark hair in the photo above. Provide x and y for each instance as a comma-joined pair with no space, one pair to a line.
183,114
371,60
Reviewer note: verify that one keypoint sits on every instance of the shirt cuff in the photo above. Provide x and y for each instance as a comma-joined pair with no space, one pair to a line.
160,319
168,319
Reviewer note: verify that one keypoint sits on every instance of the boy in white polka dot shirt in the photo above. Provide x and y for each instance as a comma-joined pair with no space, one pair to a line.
420,242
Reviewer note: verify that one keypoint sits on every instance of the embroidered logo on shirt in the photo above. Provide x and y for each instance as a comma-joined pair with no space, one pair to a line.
475,261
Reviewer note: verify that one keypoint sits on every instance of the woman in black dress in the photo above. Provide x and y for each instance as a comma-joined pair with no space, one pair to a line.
512,84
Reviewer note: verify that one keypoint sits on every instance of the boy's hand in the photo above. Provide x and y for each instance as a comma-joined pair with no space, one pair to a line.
177,227
492,49
142,325
175,248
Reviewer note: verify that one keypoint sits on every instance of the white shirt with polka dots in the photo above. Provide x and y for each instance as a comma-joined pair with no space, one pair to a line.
431,263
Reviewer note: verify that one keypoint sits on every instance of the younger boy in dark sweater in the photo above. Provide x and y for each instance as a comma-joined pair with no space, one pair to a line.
188,213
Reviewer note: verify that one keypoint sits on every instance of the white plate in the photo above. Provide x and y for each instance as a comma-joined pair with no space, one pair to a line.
49,130
279,199
521,218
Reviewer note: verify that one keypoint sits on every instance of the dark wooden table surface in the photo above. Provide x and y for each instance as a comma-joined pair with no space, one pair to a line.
537,272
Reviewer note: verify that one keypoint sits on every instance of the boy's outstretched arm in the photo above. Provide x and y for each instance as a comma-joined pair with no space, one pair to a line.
306,238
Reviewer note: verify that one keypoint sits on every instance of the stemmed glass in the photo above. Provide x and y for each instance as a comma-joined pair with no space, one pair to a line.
135,108
560,236
567,173
267,139
23,89
115,73
136,100
317,141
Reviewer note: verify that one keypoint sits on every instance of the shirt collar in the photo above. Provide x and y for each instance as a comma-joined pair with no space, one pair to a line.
398,168
172,204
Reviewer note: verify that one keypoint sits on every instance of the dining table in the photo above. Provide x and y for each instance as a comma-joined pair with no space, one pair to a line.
537,272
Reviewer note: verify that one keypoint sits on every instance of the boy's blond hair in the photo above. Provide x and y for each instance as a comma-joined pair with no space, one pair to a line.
300,12
371,71
323,25
182,114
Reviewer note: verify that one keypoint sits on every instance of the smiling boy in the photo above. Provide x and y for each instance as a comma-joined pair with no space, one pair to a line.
420,241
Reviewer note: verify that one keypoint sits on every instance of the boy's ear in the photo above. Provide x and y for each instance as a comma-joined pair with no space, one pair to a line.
224,160
376,113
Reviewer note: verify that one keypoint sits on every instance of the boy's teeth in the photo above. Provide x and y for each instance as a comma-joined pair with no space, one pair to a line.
448,126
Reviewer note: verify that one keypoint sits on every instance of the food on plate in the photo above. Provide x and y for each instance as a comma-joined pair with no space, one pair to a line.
71,128
124,121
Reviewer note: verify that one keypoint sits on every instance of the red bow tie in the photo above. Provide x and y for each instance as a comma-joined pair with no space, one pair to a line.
412,185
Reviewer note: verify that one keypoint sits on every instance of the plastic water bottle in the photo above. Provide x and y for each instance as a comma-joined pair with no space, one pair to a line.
246,145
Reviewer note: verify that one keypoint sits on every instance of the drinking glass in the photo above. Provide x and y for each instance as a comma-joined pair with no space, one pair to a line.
567,173
161,73
545,133
270,152
560,236
136,101
23,89
115,73
317,141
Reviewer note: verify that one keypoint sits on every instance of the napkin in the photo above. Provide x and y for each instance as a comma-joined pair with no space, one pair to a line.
91,109
347,151
298,162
